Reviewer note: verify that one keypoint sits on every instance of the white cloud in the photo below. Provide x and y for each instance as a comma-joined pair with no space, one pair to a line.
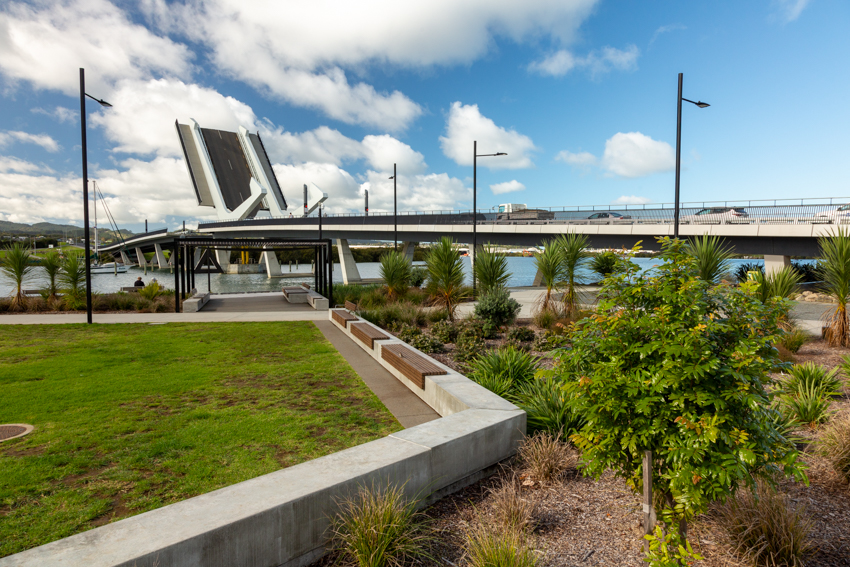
581,159
340,186
465,125
666,29
422,192
10,164
635,155
59,113
507,187
629,154
47,42
597,62
631,200
383,151
12,136
790,10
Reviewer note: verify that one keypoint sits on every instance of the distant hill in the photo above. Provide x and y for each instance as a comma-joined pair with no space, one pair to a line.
52,229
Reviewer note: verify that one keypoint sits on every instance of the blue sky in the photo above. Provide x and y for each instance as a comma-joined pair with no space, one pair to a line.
580,93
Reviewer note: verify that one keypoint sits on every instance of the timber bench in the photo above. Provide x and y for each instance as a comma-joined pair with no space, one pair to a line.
351,306
367,334
131,289
414,366
342,317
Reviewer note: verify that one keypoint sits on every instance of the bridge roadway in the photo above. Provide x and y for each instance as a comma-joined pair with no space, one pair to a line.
784,237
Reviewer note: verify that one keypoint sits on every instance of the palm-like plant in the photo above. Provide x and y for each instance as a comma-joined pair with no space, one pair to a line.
445,276
52,264
778,283
396,272
73,275
711,254
835,272
573,248
491,270
16,266
548,264
604,264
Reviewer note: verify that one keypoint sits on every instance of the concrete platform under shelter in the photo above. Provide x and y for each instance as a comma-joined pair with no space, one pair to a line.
253,302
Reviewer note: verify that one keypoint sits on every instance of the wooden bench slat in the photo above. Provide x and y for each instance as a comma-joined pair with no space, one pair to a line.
342,317
367,334
412,365
351,306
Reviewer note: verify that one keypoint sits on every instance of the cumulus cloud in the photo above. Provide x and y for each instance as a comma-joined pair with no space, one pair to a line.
466,124
421,192
666,29
789,10
47,42
10,164
59,113
596,62
507,187
631,200
629,154
14,136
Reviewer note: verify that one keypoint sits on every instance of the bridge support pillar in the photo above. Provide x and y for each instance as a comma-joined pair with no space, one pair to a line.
125,258
538,278
160,257
407,250
140,258
774,263
223,259
272,264
350,273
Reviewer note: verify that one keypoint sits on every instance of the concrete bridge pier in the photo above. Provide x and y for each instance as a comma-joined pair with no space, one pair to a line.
125,258
407,249
272,263
160,257
350,273
775,262
223,259
140,258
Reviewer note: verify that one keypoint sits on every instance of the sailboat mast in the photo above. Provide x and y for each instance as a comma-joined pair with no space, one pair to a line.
96,254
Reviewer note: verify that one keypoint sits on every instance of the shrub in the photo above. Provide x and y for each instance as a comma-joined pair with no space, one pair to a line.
650,335
545,318
426,343
549,340
352,292
498,308
395,271
445,276
445,331
793,340
468,347
811,377
379,527
807,404
513,511
437,315
742,270
604,263
835,271
403,331
151,291
505,370
473,326
845,366
547,408
489,546
546,457
779,283
711,255
417,276
491,270
522,334
385,315
834,444
144,305
808,272
767,528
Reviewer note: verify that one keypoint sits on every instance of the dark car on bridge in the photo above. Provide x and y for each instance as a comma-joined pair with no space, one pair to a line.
607,217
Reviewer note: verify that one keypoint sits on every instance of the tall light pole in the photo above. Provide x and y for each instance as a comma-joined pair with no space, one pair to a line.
475,156
83,95
679,151
395,206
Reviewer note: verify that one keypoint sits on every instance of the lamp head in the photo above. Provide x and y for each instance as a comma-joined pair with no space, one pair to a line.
702,104
392,176
501,154
106,104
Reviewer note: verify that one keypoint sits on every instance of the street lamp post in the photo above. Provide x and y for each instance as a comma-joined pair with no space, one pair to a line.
475,156
395,206
83,96
700,104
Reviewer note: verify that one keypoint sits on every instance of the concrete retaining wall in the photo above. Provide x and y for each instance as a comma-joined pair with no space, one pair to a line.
281,519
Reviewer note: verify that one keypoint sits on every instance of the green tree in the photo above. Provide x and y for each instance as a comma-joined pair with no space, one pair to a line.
52,264
491,269
73,275
835,272
445,275
711,255
675,365
16,266
396,272
574,255
548,264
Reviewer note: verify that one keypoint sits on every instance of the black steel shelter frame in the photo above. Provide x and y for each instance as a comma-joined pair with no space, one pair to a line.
184,262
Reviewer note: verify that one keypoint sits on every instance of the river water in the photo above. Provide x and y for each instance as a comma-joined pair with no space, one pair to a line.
522,274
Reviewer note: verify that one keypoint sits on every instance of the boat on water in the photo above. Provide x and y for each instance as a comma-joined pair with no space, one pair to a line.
108,267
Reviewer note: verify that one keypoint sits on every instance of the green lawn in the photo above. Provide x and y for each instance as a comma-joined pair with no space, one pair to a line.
132,417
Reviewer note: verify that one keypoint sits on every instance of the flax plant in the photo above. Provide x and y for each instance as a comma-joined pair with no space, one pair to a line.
445,276
16,266
835,272
711,254
396,272
574,255
491,269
